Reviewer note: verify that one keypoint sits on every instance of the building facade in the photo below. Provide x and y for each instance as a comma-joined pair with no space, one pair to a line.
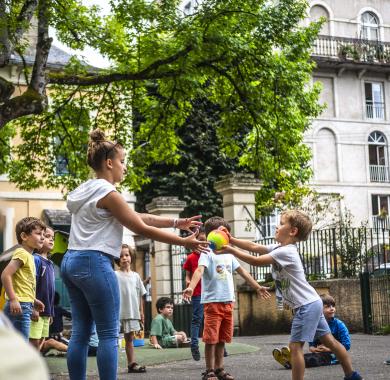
350,139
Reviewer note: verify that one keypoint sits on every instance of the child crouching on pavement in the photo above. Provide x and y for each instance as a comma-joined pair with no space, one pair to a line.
309,322
217,297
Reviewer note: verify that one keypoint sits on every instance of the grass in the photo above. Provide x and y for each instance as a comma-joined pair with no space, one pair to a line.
147,355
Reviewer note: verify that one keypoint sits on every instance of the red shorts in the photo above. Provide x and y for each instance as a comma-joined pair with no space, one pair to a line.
218,322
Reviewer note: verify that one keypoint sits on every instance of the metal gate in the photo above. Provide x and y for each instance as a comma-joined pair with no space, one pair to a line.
375,291
182,312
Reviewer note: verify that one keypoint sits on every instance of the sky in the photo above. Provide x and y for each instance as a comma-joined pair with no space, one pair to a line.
89,55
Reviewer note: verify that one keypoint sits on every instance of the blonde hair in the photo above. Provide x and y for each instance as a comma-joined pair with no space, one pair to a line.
301,221
100,149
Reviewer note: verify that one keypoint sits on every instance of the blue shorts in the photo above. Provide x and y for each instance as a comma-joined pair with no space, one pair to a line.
309,323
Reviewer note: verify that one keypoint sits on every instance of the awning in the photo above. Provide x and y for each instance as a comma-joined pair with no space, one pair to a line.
57,219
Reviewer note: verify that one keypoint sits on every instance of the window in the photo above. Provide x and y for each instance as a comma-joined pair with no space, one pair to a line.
378,157
370,26
375,107
61,161
380,210
316,13
268,225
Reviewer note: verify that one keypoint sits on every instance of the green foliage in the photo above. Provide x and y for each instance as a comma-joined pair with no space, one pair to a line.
201,164
249,58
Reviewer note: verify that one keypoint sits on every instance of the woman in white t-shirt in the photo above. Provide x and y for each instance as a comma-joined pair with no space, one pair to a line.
99,213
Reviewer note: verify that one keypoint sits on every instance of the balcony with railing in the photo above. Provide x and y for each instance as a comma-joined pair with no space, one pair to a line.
381,222
375,111
379,173
352,50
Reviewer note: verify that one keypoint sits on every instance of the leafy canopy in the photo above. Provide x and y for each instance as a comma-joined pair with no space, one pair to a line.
249,58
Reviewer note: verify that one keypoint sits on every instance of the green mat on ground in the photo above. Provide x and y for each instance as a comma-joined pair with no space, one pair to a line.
147,355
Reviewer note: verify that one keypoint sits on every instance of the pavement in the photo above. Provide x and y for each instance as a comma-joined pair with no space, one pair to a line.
368,353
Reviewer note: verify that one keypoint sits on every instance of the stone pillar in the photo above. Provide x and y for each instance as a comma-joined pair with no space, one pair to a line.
169,207
238,193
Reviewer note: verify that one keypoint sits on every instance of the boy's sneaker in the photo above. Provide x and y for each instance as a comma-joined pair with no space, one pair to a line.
387,362
279,357
286,354
354,376
195,353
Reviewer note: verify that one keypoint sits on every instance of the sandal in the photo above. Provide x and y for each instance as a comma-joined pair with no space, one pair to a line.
209,375
223,375
136,368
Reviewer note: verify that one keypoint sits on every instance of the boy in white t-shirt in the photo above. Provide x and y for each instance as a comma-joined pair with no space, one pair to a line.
308,322
217,298
131,290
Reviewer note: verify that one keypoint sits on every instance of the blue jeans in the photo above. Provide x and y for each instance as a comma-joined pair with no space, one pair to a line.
21,322
94,296
196,322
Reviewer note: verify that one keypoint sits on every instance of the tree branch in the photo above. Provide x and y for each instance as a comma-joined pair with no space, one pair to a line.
24,18
149,72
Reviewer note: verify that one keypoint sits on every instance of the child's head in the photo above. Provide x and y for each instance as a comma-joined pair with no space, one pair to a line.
201,234
102,152
294,225
214,222
329,305
48,242
164,306
30,232
126,257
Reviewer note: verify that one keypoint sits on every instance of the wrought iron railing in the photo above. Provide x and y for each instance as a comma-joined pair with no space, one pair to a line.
375,110
338,253
379,173
352,49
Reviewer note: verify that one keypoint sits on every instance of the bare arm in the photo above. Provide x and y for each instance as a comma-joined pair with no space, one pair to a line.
187,293
154,341
260,290
246,257
161,222
6,279
115,203
249,245
188,277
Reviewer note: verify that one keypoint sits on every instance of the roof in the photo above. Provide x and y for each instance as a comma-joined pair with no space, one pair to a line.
58,219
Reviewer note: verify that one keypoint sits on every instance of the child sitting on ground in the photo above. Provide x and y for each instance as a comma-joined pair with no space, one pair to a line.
320,354
309,322
162,332
18,277
217,298
131,314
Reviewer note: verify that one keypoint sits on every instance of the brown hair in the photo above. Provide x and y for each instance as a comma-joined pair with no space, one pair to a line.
328,300
301,221
27,225
214,222
131,251
100,149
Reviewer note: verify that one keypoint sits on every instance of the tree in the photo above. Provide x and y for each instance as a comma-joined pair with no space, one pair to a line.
248,57
201,165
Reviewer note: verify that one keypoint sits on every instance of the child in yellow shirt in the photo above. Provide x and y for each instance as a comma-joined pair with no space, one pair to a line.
18,277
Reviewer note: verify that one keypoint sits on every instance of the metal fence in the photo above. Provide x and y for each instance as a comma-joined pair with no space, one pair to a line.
339,253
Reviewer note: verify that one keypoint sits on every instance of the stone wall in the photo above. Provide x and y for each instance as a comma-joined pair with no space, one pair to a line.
258,317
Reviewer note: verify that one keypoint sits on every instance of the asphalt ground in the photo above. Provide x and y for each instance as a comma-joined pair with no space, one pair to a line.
368,353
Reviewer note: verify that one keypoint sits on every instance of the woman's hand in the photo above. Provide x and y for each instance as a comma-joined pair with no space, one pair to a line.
192,243
187,223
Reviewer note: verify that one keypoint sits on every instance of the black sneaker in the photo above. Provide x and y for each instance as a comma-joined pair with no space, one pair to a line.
195,353
225,353
355,376
387,362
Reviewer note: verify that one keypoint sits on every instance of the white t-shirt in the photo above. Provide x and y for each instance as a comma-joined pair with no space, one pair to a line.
93,228
217,279
290,277
131,289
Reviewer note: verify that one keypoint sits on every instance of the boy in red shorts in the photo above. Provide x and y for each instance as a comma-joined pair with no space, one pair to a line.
217,298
